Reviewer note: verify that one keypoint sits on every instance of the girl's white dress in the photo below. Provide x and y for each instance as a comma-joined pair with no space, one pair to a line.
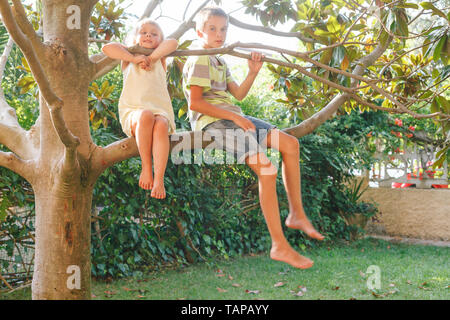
144,90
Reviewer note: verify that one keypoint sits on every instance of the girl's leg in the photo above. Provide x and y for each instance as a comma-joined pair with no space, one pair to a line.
141,128
267,177
160,151
290,153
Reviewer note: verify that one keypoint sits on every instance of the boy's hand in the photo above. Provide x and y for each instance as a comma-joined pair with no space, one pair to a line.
244,123
255,64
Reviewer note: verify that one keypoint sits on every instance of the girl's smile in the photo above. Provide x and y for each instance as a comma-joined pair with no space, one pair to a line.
149,36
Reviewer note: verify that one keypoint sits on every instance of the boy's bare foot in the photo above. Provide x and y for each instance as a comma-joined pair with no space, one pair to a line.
146,179
302,223
159,191
287,254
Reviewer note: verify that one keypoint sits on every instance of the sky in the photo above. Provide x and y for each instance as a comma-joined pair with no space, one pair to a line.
175,9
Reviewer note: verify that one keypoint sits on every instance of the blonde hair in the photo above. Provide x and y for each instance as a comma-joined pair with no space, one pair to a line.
205,14
132,35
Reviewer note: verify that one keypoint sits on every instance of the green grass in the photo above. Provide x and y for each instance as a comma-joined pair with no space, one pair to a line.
339,272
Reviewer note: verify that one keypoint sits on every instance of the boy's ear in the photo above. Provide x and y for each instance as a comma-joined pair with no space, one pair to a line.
199,33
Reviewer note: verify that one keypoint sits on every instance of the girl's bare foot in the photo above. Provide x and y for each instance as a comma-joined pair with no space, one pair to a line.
293,221
286,254
146,179
159,191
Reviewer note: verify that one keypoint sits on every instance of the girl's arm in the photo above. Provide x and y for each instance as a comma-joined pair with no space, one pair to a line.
119,51
241,91
166,47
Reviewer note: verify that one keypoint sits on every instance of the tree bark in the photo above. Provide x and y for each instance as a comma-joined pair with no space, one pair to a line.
63,190
62,267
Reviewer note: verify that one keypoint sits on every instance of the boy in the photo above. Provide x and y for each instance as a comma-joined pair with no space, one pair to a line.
207,82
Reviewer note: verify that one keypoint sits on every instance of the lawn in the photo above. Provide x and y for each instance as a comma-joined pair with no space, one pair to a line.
340,272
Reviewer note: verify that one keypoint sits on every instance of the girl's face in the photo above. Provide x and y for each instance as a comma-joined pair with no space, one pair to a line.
149,36
214,32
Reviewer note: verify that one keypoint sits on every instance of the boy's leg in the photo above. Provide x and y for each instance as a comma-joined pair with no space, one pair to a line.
290,153
142,127
160,155
267,176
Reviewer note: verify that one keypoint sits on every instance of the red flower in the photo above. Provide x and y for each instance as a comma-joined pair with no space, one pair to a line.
412,128
398,122
398,134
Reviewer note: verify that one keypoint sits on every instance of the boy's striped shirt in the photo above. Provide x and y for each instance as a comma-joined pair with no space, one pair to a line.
211,73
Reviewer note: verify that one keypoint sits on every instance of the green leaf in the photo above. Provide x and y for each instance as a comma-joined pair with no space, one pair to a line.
401,24
185,45
445,104
333,25
408,5
434,106
338,56
438,49
436,11
181,112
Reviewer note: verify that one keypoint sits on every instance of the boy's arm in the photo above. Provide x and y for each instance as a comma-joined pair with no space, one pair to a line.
198,104
241,91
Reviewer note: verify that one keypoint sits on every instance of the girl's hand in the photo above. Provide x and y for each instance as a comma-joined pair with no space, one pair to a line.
244,123
148,63
255,64
138,59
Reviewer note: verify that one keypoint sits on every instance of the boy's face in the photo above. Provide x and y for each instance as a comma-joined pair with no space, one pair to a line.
214,32
149,36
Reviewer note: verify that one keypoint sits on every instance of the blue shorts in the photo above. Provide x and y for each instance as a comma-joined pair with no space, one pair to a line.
229,137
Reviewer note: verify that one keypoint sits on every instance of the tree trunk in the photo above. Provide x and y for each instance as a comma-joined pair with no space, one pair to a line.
62,185
62,267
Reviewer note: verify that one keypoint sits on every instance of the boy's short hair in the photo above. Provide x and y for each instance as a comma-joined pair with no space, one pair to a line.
205,14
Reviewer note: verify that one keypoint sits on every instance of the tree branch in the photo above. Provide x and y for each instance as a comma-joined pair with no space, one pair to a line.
102,65
67,138
12,162
54,103
27,28
186,25
230,51
355,76
311,124
105,157
23,43
24,143
268,30
149,9
326,113
3,59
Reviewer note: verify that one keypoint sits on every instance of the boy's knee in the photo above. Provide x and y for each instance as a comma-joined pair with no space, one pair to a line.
268,173
292,145
262,166
293,142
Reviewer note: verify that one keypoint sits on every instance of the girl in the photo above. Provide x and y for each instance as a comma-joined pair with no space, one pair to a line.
145,109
